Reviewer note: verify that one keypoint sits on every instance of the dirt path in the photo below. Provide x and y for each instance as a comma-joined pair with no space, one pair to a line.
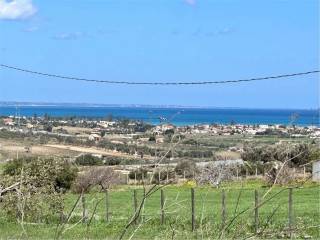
91,150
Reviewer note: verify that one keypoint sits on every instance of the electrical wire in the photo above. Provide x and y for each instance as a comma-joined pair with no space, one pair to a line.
160,83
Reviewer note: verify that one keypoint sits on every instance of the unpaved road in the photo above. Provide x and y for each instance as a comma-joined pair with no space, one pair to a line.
91,150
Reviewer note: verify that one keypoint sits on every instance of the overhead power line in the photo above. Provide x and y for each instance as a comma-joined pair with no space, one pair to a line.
159,83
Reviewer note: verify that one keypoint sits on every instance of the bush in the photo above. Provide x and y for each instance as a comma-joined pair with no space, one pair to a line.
96,176
66,177
163,176
152,139
278,174
298,153
41,182
88,160
62,173
186,168
137,174
13,167
112,161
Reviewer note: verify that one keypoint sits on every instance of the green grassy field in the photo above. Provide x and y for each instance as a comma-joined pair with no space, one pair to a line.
178,215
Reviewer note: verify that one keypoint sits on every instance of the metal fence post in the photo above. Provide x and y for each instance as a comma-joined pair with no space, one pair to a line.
290,211
135,204
223,212
162,205
256,210
192,210
107,205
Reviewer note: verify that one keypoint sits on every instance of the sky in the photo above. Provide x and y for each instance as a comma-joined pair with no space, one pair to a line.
161,41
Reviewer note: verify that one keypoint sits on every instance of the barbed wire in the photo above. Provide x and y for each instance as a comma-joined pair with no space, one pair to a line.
159,83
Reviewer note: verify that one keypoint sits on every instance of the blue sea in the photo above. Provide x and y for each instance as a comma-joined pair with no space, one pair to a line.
178,116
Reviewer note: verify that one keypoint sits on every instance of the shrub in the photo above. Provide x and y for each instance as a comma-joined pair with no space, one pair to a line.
13,167
111,161
278,174
215,174
96,176
40,181
298,153
164,174
61,174
66,177
88,160
137,173
152,139
186,168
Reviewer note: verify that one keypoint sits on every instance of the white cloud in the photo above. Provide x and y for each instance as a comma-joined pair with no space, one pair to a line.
31,29
190,2
16,9
226,30
69,36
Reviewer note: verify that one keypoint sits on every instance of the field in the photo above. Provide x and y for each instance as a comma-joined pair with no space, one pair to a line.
273,216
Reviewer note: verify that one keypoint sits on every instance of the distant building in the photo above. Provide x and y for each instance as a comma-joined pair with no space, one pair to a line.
8,121
316,171
94,137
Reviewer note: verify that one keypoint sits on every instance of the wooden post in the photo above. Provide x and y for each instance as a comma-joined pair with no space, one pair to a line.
127,179
256,171
237,174
192,210
162,205
143,178
167,175
107,205
135,178
290,213
223,210
62,216
159,176
256,210
304,172
135,203
84,209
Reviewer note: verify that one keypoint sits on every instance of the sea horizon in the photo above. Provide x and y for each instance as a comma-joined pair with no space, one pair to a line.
157,114
137,105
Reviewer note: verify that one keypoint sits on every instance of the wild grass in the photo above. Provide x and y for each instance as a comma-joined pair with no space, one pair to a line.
178,214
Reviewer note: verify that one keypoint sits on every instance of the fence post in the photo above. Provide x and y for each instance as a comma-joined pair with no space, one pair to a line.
107,205
290,213
127,179
223,212
162,205
159,176
135,178
192,210
62,216
167,175
135,203
256,172
84,209
256,210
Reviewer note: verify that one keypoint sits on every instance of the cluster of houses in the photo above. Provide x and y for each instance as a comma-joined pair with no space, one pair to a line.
97,127
221,129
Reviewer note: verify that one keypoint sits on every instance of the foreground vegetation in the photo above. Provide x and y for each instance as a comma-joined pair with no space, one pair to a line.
65,196
273,216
